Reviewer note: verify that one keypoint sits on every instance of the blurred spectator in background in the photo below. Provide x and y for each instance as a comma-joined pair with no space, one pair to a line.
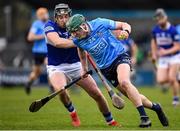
165,50
39,50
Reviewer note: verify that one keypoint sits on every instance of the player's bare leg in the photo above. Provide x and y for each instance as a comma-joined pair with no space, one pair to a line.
162,75
36,71
152,106
89,85
58,81
123,71
173,69
162,78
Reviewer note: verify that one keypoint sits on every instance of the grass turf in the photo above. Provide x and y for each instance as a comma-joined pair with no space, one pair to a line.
14,112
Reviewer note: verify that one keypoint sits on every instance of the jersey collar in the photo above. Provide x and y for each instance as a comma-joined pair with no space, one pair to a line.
168,25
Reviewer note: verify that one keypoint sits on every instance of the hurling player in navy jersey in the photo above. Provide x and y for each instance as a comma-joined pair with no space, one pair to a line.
165,46
64,66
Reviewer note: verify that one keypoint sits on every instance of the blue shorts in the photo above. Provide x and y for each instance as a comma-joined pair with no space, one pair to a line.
39,58
111,72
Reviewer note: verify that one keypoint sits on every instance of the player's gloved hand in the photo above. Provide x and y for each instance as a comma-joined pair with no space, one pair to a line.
123,35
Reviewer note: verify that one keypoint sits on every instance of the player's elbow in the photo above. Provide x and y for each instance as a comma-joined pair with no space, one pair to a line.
127,26
30,38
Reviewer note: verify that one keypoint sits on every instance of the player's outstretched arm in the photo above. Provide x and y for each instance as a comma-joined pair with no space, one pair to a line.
153,49
172,50
32,37
59,42
134,51
83,59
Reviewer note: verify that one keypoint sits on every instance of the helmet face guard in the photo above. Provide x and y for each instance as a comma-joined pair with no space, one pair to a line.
61,9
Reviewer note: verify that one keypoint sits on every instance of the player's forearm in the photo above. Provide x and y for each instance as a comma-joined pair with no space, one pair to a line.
174,49
134,50
153,47
123,26
32,37
83,59
59,42
63,43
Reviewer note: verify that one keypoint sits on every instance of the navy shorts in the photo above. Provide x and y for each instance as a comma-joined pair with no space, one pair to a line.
39,58
111,72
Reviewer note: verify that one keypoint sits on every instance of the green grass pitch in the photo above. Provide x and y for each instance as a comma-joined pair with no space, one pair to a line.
14,114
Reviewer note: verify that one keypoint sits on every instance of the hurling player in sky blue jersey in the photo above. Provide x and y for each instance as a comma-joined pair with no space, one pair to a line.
64,66
39,50
165,46
96,38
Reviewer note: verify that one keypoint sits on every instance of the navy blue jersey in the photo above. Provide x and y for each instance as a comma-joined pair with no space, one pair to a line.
165,38
57,56
128,45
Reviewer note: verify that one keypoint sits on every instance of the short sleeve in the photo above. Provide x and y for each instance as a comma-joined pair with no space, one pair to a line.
107,23
176,36
178,29
75,41
34,28
49,27
153,33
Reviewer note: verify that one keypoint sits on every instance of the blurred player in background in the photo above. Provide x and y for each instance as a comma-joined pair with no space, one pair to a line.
165,50
64,66
96,38
178,75
39,50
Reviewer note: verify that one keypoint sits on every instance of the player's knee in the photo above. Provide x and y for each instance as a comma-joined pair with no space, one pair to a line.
36,73
162,80
125,84
172,79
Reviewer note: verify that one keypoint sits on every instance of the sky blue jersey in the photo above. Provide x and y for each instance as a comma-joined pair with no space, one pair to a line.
165,38
178,29
103,46
57,56
38,29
